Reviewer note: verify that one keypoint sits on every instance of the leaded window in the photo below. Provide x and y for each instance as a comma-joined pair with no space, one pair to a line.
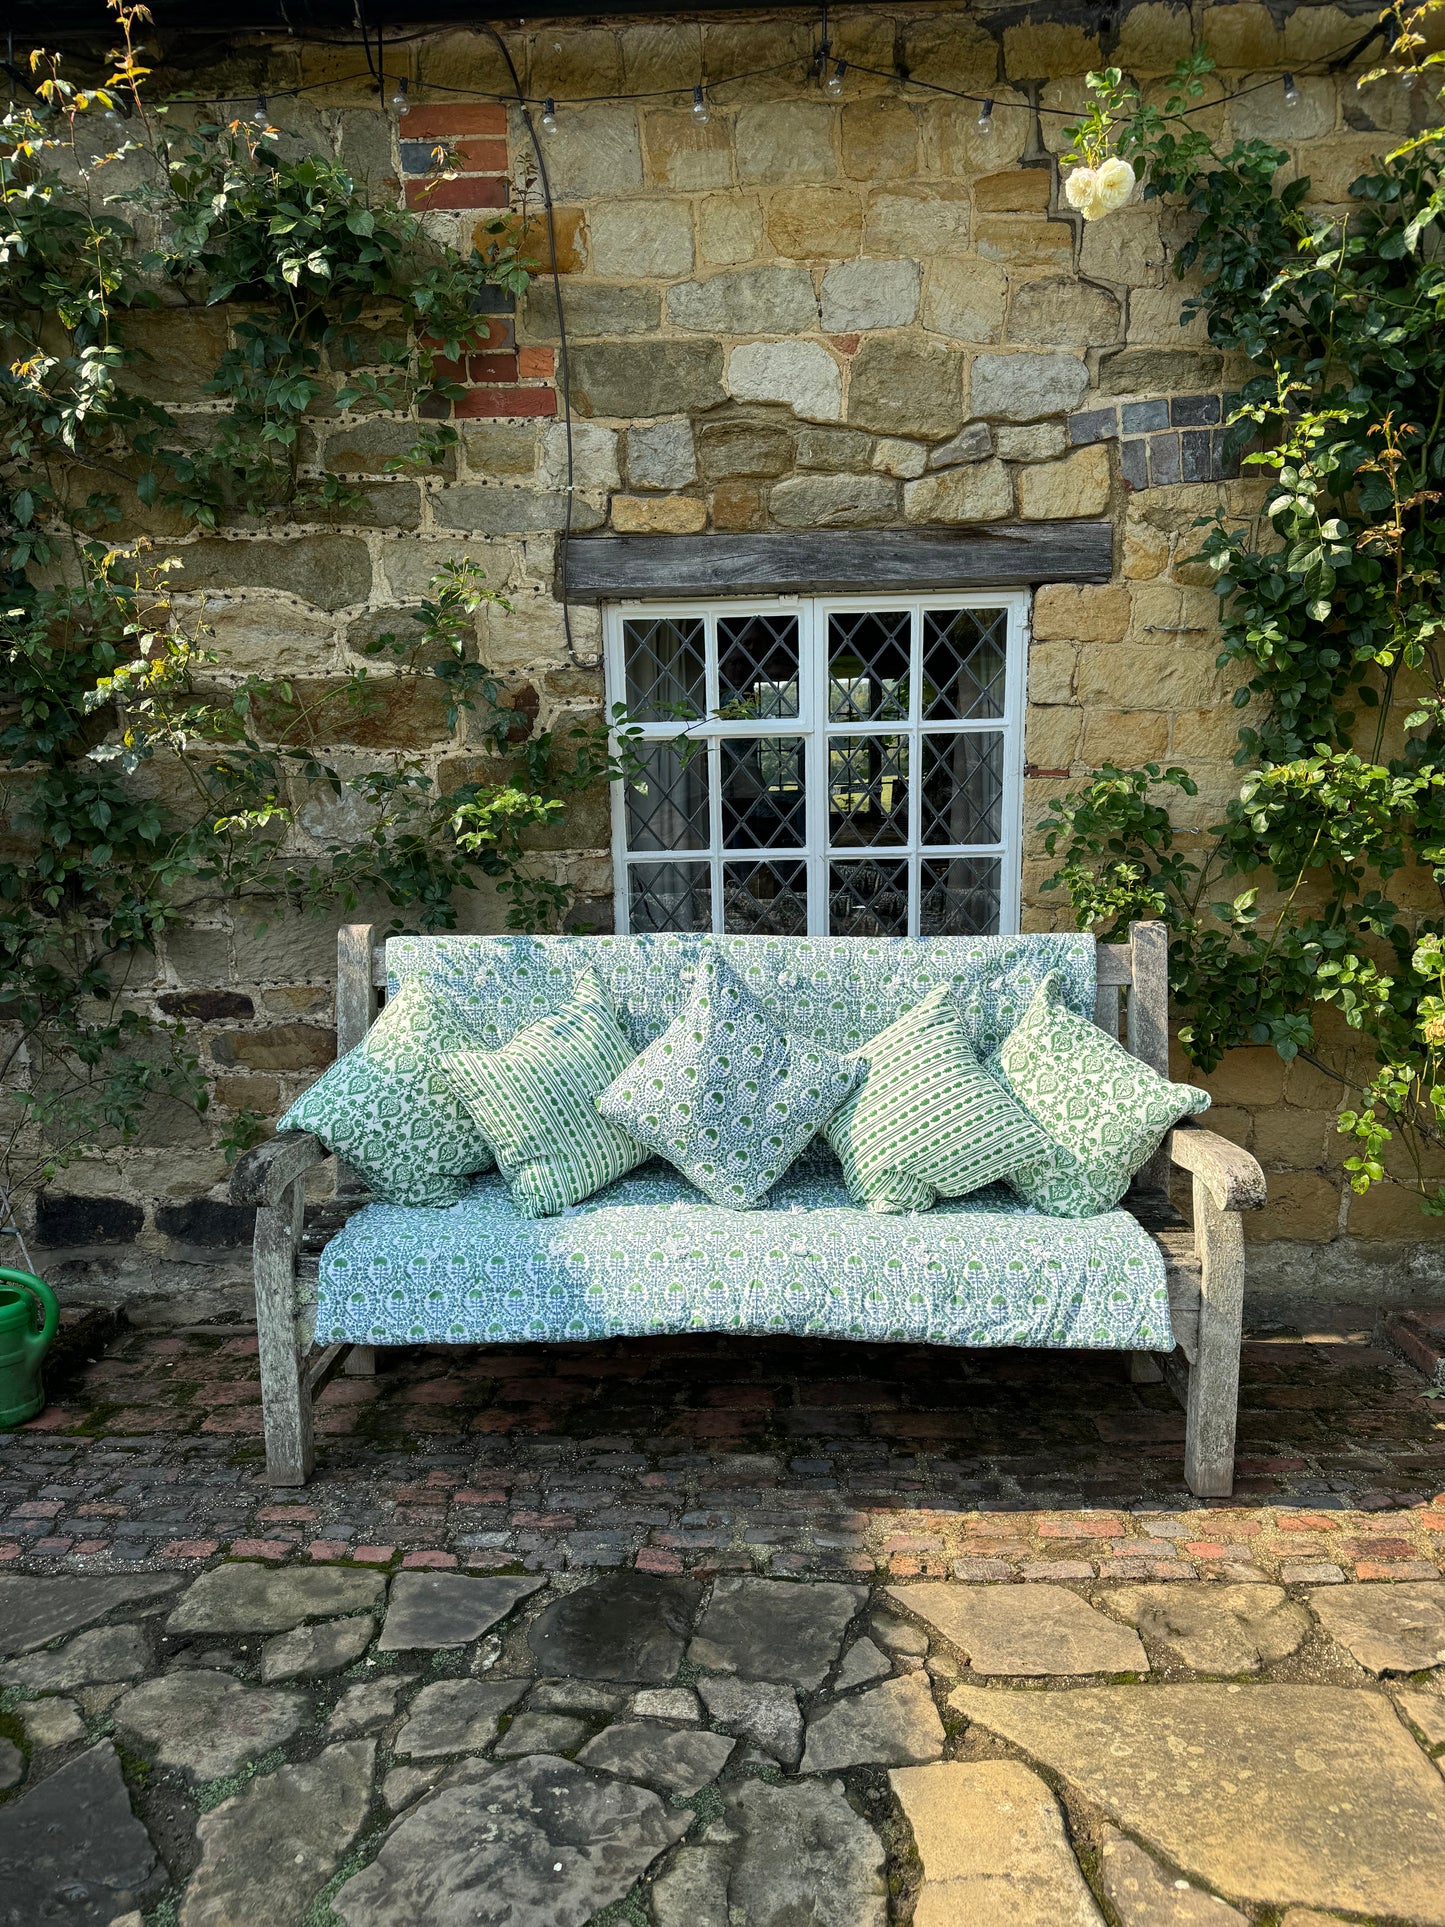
821,766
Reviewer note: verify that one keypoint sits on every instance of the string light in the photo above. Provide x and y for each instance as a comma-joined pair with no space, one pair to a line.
549,115
699,106
985,118
262,114
1291,91
834,82
399,101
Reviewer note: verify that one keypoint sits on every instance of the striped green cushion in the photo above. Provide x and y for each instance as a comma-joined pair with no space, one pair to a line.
928,1119
535,1101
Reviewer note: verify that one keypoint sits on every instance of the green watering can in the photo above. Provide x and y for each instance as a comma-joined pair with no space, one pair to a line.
21,1346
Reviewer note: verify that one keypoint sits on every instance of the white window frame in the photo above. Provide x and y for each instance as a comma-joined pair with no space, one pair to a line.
813,724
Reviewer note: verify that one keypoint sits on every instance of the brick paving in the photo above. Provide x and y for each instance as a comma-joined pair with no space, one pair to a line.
714,1455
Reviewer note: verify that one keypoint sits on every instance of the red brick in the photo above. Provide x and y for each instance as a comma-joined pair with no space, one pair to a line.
536,364
260,1548
1395,1569
8,1552
492,367
481,156
475,1495
846,344
374,1555
328,1549
450,122
502,402
191,1548
50,1545
465,190
84,1548
1101,1528
1207,1549
653,1559
1306,1522
38,1509
285,1515
414,1560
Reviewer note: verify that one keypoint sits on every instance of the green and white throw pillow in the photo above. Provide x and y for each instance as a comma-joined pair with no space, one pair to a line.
1104,1112
536,1101
388,1110
724,1094
928,1120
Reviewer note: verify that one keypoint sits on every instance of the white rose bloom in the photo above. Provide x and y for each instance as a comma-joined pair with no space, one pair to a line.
1080,188
1113,184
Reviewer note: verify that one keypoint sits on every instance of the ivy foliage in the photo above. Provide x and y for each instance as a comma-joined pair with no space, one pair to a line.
1322,885
145,779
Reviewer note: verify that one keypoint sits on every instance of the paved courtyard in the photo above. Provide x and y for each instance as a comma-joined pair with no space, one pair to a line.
723,1634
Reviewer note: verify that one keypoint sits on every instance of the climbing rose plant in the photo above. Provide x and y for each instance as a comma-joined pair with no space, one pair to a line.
143,776
1321,887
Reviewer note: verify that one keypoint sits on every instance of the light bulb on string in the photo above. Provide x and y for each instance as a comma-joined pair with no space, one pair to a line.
549,115
699,106
262,115
399,102
985,118
1291,91
834,82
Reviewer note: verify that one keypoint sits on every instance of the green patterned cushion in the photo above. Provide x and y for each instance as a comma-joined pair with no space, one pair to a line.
1105,1113
724,1094
928,1120
387,1109
535,1099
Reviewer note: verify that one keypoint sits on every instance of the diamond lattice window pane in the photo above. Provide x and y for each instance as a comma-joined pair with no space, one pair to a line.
868,899
766,899
670,896
867,791
764,804
757,667
959,897
963,787
666,668
964,662
667,804
868,666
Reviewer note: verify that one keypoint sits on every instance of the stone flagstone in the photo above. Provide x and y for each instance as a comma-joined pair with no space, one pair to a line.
769,1629
759,1711
1142,1894
1395,1628
993,1847
35,1611
1425,1711
1313,1795
52,1723
71,1849
312,1650
1025,1631
12,1765
437,1609
541,1733
1214,1629
539,1842
245,1598
365,1706
456,1716
803,1855
666,1758
625,1626
108,1653
861,1663
895,1724
207,1724
267,1852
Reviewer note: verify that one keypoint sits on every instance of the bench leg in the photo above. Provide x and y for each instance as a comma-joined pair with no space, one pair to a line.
1212,1405
360,1362
285,1396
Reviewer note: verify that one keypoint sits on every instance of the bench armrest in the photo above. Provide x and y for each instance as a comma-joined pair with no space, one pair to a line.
1231,1176
267,1171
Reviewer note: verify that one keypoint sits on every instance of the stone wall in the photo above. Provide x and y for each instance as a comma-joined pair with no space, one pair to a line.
810,312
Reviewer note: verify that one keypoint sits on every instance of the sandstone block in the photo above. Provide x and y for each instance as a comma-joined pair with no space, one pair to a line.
1242,35
592,309
683,155
951,50
1266,115
737,505
1044,48
920,222
1031,441
1075,612
411,564
979,492
727,449
658,514
801,373
906,460
565,241
905,385
632,379
833,448
1078,485
1155,371
746,301
272,638
880,140
785,141
971,444
661,455
834,501
331,571
499,448
1122,674
729,230
176,349
1060,311
859,295
595,153
1335,164
594,456
1026,387
1025,240
507,511
1302,1205
1051,672
365,447
1126,250
659,52
1052,737
816,223
965,298
639,238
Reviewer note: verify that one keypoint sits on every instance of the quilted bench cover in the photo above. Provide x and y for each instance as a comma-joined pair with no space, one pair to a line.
650,1255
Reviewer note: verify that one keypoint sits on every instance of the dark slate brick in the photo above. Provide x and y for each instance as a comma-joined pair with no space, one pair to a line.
1226,461
207,1006
493,300
1163,460
1092,425
1197,455
1194,411
1134,462
207,1221
68,1218
1140,417
416,156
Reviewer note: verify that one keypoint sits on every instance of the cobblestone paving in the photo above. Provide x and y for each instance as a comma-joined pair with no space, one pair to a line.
788,1458
303,1745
